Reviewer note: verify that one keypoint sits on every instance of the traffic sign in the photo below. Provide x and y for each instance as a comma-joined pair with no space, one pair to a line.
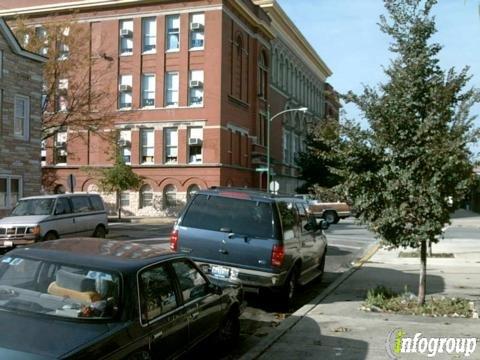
261,169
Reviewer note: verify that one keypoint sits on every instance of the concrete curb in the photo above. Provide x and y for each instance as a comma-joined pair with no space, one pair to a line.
266,343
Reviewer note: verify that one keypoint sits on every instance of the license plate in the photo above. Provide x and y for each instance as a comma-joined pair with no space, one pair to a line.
220,271
8,243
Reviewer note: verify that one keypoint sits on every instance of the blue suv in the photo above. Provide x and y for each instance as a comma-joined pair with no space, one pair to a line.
258,239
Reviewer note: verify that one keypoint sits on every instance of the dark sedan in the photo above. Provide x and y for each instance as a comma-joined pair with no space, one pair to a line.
100,299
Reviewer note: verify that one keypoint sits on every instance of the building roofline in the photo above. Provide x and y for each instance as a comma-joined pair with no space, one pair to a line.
277,13
15,45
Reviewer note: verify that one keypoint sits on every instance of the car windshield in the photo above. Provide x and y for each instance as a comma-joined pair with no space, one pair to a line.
56,289
33,207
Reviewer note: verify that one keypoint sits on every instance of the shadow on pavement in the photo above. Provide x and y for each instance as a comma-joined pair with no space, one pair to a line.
303,341
369,277
336,251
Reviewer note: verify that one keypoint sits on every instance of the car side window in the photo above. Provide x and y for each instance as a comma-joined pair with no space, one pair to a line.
80,204
63,206
192,283
303,215
289,216
97,203
157,294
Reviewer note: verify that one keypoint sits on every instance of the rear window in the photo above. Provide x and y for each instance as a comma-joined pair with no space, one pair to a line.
80,204
244,217
96,203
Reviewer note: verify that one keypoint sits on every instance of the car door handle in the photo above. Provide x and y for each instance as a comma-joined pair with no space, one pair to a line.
223,251
195,315
157,335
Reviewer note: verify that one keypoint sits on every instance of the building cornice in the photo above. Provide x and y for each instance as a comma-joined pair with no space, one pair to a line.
15,46
290,34
252,19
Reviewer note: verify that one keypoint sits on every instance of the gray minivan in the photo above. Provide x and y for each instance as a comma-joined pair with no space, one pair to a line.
49,217
258,239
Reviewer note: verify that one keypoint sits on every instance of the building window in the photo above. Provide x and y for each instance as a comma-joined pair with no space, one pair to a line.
262,76
262,129
195,93
126,37
60,148
148,90
125,145
170,196
125,92
21,121
197,31
195,142
62,45
147,146
149,27
171,145
238,77
146,196
171,89
10,191
192,190
41,34
62,95
1,64
173,32
287,147
124,199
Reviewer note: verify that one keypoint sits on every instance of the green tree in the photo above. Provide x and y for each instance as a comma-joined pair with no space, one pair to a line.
120,177
401,172
318,162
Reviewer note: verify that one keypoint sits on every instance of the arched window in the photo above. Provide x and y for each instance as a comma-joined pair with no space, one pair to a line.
238,76
92,188
262,76
192,190
280,72
170,195
146,196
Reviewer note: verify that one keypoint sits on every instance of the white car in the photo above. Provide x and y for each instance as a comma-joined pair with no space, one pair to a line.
50,217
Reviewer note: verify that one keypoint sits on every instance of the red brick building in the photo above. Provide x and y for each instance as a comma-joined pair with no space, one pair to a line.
192,81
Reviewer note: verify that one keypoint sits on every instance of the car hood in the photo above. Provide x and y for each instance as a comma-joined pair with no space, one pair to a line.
36,337
23,220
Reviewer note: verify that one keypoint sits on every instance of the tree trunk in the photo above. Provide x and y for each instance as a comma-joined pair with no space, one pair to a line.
430,248
422,285
119,205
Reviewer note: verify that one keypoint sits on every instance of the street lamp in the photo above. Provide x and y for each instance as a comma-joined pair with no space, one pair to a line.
269,120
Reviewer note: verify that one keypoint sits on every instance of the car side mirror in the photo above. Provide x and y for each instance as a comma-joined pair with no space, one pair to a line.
323,224
214,289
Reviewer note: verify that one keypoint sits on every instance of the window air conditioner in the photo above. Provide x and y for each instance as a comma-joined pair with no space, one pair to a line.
194,141
123,143
124,87
196,26
125,33
195,83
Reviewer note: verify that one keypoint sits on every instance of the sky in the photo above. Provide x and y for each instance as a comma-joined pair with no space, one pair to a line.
346,35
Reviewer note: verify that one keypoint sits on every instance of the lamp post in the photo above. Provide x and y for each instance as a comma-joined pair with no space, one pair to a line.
269,120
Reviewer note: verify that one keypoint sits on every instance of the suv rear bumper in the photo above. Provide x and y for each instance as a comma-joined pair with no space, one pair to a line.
247,277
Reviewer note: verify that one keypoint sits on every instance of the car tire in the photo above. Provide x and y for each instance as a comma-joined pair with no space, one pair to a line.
229,331
290,290
321,265
100,232
331,217
51,235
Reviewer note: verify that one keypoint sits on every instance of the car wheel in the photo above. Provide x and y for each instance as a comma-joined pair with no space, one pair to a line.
331,217
50,236
100,232
229,331
290,290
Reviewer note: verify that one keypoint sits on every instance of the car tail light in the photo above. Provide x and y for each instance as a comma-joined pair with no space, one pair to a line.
174,240
278,255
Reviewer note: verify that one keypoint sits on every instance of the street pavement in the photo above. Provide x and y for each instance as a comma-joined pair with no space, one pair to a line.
334,326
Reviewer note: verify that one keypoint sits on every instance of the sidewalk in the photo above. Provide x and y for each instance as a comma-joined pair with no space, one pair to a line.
334,327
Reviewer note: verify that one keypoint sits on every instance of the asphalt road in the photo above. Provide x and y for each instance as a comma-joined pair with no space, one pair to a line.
347,243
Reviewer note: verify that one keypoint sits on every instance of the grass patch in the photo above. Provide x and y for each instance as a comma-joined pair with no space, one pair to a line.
416,254
382,299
